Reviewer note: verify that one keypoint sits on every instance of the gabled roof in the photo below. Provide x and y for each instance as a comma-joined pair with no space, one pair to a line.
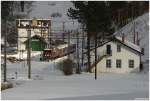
125,43
37,37
129,44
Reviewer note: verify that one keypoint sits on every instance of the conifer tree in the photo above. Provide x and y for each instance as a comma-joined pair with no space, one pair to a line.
95,15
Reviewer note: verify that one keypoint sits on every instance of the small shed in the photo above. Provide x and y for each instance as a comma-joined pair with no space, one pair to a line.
37,43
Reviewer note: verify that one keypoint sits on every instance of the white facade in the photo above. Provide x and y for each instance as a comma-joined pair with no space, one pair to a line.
22,34
124,55
40,30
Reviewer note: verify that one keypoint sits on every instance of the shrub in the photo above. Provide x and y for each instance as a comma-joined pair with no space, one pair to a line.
66,66
6,85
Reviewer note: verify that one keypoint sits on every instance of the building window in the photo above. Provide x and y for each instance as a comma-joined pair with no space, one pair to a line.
118,48
118,63
108,63
108,48
131,63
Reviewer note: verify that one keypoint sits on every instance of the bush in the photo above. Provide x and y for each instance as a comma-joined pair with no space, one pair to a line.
66,66
6,85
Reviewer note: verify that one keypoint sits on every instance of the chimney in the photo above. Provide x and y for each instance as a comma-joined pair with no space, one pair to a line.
123,38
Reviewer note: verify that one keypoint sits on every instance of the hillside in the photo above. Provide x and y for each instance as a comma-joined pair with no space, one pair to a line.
142,27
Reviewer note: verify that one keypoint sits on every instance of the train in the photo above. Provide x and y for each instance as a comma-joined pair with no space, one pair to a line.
59,51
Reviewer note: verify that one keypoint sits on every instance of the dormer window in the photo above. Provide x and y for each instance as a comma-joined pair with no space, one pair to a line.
118,48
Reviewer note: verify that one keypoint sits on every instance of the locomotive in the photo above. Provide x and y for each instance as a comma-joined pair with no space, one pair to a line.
57,52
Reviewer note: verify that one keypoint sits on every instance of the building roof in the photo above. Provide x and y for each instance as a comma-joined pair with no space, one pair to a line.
38,37
32,19
129,44
125,43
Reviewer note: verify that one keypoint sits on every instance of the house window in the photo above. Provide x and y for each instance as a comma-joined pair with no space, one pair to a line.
131,63
108,47
118,63
118,48
108,63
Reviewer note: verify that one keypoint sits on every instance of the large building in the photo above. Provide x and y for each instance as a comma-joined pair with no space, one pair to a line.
38,30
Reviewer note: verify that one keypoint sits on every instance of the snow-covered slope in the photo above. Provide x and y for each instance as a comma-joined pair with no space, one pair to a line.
142,27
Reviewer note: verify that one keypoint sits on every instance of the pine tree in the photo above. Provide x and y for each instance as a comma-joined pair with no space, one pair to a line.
95,15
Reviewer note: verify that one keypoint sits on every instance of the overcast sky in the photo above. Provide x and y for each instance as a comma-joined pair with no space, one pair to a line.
44,9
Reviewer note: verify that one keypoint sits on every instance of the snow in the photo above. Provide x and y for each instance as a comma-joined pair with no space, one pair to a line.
62,46
130,44
142,27
107,86
49,83
23,55
2,41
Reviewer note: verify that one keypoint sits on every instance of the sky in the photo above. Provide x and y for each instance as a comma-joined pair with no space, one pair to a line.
44,9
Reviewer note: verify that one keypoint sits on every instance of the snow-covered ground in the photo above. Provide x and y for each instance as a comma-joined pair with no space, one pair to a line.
23,55
49,83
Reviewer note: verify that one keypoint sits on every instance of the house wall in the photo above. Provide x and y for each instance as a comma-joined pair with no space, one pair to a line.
124,55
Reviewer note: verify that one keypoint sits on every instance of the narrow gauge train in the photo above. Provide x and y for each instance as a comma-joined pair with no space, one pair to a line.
60,51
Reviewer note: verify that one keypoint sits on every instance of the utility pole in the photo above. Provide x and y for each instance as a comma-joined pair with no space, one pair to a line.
49,34
78,67
63,26
5,53
134,32
95,56
88,52
68,43
137,39
29,52
82,48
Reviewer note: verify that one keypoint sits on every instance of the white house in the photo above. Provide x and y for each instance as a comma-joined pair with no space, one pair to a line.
117,56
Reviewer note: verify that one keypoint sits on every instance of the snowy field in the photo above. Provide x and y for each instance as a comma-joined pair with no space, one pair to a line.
49,83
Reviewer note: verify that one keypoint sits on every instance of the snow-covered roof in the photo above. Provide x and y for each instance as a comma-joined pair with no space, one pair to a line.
126,43
62,46
140,26
130,44
37,37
